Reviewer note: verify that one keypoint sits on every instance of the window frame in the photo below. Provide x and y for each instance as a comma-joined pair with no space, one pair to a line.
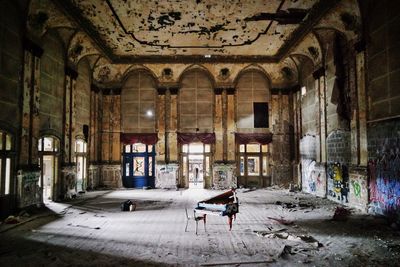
7,154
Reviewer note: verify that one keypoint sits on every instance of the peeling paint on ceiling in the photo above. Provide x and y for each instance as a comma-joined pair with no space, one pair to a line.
175,27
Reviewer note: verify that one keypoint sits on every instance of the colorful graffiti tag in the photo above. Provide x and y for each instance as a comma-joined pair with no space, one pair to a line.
338,178
385,180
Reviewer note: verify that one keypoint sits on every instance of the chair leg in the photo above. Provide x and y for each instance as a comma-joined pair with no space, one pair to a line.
197,223
187,222
204,221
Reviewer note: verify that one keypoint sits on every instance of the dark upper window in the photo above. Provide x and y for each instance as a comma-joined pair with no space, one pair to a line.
260,115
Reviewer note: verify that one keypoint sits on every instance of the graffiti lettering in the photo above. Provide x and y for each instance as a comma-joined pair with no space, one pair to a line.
356,189
384,173
338,181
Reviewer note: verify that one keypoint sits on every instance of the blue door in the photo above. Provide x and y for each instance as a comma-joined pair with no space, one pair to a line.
138,166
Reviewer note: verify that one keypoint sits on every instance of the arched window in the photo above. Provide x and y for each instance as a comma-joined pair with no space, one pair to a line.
6,161
49,148
81,161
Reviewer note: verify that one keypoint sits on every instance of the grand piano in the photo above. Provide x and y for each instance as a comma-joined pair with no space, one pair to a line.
225,204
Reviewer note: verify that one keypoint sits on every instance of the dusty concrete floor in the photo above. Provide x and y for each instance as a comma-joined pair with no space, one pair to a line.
92,231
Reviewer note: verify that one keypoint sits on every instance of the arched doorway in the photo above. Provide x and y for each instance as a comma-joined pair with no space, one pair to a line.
81,161
49,148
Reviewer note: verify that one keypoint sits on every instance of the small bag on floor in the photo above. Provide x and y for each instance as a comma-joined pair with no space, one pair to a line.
126,205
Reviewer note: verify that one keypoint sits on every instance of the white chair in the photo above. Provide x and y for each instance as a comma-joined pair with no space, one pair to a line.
196,219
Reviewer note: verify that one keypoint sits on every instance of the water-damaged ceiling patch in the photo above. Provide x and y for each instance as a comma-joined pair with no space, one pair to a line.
155,28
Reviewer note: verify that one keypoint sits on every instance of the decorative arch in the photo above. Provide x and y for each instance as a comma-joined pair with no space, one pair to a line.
139,101
255,68
196,100
253,96
345,18
197,67
79,47
310,46
135,68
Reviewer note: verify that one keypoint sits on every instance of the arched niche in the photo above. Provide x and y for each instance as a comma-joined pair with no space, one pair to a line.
138,103
252,86
196,101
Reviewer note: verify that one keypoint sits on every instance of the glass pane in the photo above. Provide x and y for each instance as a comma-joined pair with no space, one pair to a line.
56,144
264,166
48,175
127,169
138,166
264,148
40,165
184,166
185,148
40,144
150,148
207,166
8,142
55,168
253,148
150,166
48,144
253,165
84,167
78,146
79,168
241,148
207,148
8,172
127,148
84,147
139,147
196,148
241,166
1,140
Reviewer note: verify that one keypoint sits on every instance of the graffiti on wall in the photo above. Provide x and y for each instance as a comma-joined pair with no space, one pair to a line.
385,179
338,182
313,176
308,169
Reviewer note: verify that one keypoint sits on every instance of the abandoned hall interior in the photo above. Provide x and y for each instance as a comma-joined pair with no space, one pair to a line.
200,97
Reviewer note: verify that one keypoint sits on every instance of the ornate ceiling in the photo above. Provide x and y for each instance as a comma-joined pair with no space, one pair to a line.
128,31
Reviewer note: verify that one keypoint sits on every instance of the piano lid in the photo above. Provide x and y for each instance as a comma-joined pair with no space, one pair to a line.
224,198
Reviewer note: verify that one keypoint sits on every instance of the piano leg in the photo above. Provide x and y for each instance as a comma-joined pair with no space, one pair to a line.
204,220
230,222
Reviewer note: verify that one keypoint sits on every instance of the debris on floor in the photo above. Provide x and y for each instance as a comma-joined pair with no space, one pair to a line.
281,221
12,220
341,214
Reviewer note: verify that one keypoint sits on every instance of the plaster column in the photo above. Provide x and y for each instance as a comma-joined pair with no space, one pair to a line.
218,129
160,126
230,125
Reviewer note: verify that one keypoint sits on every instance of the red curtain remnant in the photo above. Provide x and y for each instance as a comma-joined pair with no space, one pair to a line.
187,138
259,138
144,138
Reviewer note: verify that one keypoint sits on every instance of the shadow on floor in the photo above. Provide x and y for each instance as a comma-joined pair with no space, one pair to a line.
17,251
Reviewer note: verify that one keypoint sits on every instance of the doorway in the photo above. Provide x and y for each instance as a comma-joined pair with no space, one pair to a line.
81,155
48,160
196,170
138,166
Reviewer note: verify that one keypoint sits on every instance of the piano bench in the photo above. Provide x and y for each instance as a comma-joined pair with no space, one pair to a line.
196,218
